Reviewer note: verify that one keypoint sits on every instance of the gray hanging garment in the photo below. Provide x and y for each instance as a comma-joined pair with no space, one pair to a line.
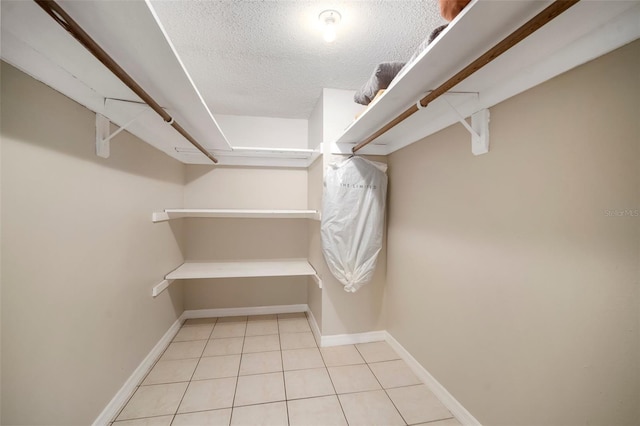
352,225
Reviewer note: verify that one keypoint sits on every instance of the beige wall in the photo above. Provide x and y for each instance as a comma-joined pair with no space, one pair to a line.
0,253
314,126
245,239
507,280
245,188
237,239
244,292
80,256
314,251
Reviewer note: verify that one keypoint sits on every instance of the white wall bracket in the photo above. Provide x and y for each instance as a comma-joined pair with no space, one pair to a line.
480,137
103,128
479,128
317,280
159,288
159,217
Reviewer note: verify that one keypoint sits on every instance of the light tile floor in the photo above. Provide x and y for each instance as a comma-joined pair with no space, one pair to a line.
268,370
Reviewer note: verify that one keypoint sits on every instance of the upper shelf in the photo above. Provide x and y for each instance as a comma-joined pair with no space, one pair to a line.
269,157
235,213
33,42
37,45
587,30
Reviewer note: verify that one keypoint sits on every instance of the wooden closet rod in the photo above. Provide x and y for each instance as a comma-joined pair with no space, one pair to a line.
551,12
62,18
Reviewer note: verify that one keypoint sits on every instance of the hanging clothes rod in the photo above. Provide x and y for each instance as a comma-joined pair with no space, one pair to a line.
535,23
61,17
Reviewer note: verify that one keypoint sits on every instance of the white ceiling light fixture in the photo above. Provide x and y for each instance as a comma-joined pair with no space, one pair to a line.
329,20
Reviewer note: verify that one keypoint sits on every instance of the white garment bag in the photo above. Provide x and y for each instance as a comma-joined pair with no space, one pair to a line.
352,223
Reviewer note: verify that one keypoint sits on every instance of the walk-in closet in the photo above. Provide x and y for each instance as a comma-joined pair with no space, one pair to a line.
320,212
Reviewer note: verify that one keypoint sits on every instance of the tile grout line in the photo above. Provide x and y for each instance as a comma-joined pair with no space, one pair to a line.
286,398
284,381
433,421
399,387
334,386
115,418
193,373
383,388
235,390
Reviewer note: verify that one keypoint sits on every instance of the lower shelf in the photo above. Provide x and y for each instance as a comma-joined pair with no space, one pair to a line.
169,214
240,269
233,269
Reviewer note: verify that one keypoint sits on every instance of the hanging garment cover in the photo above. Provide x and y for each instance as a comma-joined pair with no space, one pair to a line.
352,223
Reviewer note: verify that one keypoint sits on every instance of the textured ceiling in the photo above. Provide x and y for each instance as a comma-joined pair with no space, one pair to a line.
268,58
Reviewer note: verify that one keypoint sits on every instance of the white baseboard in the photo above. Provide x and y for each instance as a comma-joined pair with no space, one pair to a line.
122,396
452,404
315,329
352,339
251,310
125,392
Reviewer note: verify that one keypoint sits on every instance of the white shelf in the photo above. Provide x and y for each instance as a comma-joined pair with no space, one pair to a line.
168,214
255,157
151,61
239,269
585,31
243,269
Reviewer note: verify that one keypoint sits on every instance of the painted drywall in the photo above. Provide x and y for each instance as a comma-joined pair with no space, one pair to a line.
0,252
249,239
314,125
338,112
245,188
80,256
263,132
244,292
513,277
314,252
230,239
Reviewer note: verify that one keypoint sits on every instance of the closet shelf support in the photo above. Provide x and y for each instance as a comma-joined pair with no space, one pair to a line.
479,128
103,128
316,277
160,287
535,23
480,138
59,15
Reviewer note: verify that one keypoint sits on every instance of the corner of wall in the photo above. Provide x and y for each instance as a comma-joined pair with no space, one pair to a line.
315,136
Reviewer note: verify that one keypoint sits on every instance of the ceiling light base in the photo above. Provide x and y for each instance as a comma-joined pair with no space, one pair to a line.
329,20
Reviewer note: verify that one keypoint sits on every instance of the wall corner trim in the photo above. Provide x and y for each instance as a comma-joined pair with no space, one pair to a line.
315,329
122,396
452,404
